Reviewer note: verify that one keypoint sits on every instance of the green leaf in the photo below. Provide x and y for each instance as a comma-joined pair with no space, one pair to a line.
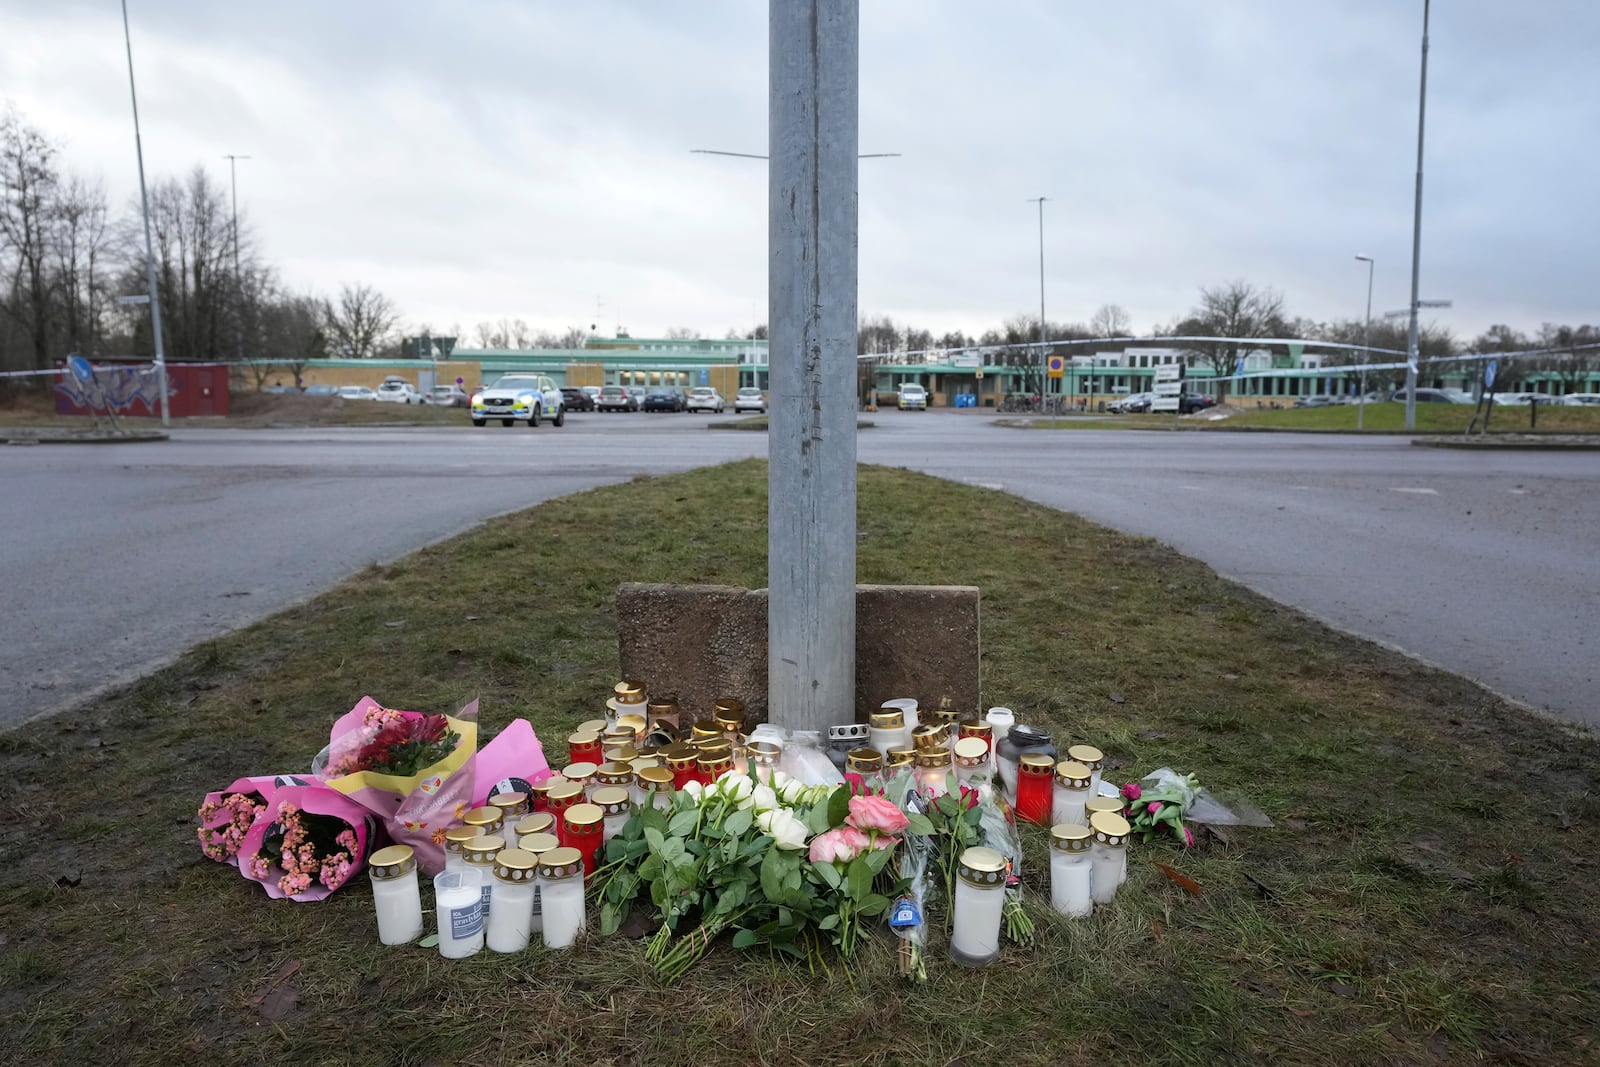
828,873
919,823
431,941
610,919
745,938
817,819
738,823
791,881
656,839
828,922
947,805
873,905
672,849
772,876
859,879
682,823
878,858
838,806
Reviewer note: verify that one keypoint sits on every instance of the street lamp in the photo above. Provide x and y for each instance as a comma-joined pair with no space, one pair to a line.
1366,340
233,184
1044,373
1416,236
149,248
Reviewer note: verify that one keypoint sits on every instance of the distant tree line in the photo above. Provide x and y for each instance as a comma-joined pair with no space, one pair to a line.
66,257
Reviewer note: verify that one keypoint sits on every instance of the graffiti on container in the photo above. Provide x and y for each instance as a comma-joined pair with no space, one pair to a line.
121,389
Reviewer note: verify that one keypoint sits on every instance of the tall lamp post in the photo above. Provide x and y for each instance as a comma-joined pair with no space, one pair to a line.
149,248
1366,342
238,279
1044,375
1416,236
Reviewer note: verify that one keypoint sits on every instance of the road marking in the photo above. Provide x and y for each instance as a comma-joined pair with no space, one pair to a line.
1517,492
1424,492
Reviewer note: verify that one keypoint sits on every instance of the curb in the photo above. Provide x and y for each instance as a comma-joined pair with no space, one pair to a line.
142,437
1511,445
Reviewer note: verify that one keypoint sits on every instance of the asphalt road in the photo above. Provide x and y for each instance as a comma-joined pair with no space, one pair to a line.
115,559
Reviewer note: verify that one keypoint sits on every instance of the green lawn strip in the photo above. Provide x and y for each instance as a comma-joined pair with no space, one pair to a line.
1380,418
1429,889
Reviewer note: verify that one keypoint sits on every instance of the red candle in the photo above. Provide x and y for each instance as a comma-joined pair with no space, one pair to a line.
1035,787
713,767
584,826
584,747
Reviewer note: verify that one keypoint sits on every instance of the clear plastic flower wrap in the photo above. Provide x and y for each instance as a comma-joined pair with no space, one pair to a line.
908,915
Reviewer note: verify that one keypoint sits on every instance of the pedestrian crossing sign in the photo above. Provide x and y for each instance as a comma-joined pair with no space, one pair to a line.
1057,366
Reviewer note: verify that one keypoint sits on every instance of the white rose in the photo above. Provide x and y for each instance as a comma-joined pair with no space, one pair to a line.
764,797
694,789
764,822
787,831
779,780
736,786
790,790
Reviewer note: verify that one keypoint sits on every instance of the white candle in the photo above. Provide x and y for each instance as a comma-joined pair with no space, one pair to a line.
907,706
1071,790
1071,870
1091,758
1110,837
458,908
887,729
395,895
979,907
538,844
561,896
511,920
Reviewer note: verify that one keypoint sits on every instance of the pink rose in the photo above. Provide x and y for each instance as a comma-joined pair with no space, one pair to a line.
841,845
1131,791
884,841
876,813
1153,808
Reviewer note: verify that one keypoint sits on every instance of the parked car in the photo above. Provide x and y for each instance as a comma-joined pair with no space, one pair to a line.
1320,400
519,396
1581,400
279,389
1132,404
575,398
1436,396
616,398
322,390
750,399
912,397
705,398
398,391
357,392
637,392
1192,402
592,392
663,398
449,396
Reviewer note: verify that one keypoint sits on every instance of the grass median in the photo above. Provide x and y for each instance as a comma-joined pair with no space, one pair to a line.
1429,890
1385,418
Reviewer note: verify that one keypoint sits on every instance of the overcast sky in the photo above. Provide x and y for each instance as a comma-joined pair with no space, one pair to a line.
531,158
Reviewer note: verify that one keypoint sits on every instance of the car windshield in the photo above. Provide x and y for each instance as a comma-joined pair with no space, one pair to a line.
661,392
911,388
701,391
749,392
515,382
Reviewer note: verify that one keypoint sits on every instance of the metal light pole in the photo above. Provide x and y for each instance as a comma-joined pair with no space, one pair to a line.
1416,235
812,129
149,248
238,279
1366,342
1044,359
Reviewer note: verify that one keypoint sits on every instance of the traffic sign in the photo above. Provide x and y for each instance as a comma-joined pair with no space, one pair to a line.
1057,367
1488,373
138,298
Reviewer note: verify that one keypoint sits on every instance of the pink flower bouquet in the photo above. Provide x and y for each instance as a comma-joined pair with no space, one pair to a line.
227,815
306,842
413,771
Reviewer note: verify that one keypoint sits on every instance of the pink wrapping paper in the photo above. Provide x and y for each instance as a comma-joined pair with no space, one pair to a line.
263,786
315,799
416,809
511,763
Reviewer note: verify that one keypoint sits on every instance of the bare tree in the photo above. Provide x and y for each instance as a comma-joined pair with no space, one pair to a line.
292,330
520,335
83,245
189,223
1110,320
575,337
683,333
28,190
1235,310
484,332
360,324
